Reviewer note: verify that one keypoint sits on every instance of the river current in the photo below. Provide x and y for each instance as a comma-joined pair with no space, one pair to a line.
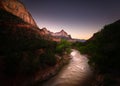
76,73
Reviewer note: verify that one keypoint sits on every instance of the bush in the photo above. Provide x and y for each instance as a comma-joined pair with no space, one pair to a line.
47,58
63,46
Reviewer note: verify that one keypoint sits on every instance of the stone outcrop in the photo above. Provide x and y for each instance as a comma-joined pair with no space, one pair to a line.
17,8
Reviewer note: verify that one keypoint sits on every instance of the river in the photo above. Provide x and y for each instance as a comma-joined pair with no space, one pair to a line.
76,73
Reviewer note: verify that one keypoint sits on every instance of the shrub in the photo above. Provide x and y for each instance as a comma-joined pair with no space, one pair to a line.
48,58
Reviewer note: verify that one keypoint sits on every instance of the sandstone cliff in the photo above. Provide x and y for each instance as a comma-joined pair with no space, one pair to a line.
17,8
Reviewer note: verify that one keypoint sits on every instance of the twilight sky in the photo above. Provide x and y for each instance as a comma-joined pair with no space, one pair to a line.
80,18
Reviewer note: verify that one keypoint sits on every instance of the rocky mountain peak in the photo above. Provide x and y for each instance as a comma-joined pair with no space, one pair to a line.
62,30
18,9
62,33
45,29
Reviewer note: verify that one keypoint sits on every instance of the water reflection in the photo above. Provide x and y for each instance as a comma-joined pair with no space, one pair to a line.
72,74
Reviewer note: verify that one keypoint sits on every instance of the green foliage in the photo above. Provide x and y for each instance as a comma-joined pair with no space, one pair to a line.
63,46
77,44
89,48
104,48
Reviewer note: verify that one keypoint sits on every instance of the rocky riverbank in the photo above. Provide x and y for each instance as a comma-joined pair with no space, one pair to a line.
45,74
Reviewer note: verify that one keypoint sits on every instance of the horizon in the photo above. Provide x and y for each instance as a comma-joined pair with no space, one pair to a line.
80,19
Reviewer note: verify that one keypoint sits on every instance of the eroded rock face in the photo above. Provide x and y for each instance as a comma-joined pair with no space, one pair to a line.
18,9
61,34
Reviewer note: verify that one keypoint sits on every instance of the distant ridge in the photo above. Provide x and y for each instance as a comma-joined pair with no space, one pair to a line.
62,34
57,36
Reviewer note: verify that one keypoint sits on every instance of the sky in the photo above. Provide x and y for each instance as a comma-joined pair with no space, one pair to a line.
80,18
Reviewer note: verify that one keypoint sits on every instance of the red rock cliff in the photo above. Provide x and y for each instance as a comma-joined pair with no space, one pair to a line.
18,9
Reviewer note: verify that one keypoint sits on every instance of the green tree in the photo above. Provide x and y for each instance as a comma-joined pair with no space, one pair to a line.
63,46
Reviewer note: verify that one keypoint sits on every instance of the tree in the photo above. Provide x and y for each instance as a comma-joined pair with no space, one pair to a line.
63,46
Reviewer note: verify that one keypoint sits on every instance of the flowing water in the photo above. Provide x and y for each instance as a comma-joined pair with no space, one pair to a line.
76,73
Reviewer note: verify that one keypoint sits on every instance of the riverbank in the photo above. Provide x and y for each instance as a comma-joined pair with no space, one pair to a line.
45,74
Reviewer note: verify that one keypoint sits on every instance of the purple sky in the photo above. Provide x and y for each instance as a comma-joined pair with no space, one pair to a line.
80,18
